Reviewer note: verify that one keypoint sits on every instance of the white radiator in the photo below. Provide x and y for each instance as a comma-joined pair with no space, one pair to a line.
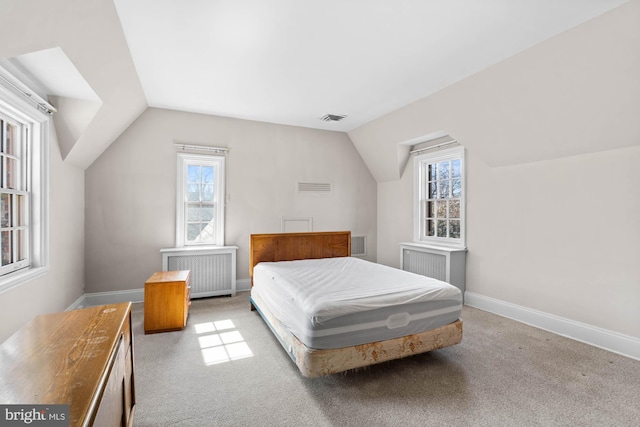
425,263
448,265
213,269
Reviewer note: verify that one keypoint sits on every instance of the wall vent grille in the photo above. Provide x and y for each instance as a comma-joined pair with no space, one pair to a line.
314,187
358,246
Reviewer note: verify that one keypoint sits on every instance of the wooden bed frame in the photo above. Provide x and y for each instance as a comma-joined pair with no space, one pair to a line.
313,362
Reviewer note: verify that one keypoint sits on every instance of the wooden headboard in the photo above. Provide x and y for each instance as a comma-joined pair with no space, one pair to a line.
293,246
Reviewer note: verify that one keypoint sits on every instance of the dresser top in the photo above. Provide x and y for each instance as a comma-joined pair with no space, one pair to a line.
61,357
169,276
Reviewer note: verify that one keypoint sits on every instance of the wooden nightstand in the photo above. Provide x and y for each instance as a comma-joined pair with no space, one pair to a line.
167,296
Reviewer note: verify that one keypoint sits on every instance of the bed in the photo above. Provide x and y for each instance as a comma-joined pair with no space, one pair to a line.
308,289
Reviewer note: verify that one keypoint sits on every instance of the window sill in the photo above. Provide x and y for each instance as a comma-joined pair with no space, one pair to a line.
433,246
13,280
197,248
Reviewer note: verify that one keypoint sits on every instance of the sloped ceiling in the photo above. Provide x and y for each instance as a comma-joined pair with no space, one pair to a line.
90,36
574,94
279,61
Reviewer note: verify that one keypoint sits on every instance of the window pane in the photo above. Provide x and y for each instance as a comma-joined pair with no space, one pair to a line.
207,232
441,206
193,173
430,229
433,190
207,174
432,173
207,192
10,139
454,229
201,232
21,214
454,209
193,192
5,210
11,174
430,210
443,170
5,236
20,244
193,213
193,230
444,190
456,172
456,188
442,228
206,213
199,213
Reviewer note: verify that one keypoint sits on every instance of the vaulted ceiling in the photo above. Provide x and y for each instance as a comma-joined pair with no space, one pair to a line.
279,61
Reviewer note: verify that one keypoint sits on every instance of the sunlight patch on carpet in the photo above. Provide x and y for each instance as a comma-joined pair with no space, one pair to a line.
222,342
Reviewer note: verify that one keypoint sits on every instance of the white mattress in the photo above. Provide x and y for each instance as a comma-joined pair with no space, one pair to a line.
341,302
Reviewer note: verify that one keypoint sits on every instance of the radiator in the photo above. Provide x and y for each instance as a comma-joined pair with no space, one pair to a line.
213,270
448,265
425,263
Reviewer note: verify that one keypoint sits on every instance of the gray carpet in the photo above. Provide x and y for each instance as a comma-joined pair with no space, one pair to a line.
503,373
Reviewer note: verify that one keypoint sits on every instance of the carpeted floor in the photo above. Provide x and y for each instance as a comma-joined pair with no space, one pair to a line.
227,369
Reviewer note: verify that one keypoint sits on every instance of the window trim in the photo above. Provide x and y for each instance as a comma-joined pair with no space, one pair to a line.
183,160
435,157
19,107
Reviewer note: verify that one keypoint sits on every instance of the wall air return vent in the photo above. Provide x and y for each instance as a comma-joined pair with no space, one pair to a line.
358,246
332,118
317,188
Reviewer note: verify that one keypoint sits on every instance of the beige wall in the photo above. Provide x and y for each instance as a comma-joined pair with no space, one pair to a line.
96,46
63,283
130,190
553,146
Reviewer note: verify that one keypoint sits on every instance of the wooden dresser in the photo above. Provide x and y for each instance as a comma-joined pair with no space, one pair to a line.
167,296
83,358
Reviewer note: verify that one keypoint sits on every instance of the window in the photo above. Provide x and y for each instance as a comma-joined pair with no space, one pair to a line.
200,204
440,197
14,195
24,159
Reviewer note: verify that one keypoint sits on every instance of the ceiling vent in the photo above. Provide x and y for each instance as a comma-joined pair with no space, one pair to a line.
332,118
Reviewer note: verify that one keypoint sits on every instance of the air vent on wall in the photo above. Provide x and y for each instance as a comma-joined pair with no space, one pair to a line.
358,246
332,118
314,188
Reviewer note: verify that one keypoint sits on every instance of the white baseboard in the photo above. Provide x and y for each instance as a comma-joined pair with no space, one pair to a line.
608,340
133,295
101,298
79,303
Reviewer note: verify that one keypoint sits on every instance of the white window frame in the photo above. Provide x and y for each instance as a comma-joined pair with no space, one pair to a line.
17,107
218,162
17,217
419,227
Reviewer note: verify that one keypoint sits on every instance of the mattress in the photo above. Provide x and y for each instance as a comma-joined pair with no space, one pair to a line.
340,302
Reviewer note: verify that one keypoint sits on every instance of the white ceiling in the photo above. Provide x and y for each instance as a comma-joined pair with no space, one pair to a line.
292,61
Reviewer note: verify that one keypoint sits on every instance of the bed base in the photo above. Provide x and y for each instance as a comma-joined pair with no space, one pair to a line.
315,363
